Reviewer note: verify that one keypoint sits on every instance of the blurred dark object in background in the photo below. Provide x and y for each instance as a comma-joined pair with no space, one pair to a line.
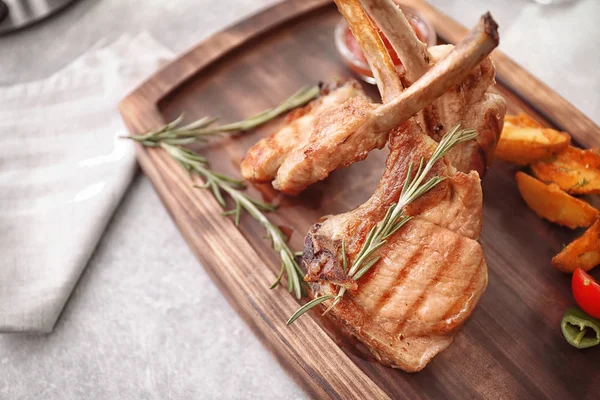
18,14
3,10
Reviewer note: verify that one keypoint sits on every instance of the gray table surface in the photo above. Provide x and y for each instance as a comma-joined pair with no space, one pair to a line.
145,320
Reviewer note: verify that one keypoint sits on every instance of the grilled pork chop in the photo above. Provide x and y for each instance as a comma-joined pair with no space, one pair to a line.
469,103
264,158
347,133
335,114
431,273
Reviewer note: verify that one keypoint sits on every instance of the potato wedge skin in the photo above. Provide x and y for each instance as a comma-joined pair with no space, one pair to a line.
555,205
525,145
574,170
583,252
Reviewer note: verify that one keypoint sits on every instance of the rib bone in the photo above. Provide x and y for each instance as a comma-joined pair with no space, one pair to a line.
380,62
392,22
449,71
468,103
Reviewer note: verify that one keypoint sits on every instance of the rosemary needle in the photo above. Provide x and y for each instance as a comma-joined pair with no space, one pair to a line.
314,302
174,133
302,96
394,219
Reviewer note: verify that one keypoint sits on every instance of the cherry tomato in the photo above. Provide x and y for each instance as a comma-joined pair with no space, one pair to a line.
586,292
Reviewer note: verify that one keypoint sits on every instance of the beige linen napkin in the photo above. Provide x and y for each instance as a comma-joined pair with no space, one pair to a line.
63,172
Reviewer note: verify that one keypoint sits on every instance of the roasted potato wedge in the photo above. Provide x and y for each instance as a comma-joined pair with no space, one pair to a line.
554,204
574,170
523,120
583,252
525,145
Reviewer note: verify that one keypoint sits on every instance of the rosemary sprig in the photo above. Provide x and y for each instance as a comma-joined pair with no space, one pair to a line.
301,97
172,136
219,183
175,134
413,188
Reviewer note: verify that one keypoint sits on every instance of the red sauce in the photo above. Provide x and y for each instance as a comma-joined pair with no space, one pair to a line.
354,47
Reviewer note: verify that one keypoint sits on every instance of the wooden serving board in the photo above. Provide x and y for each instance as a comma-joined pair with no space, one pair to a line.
510,348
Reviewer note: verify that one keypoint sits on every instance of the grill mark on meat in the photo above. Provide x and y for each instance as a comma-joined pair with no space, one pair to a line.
460,302
398,280
369,285
450,261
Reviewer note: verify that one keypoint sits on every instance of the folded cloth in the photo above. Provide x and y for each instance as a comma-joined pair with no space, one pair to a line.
63,171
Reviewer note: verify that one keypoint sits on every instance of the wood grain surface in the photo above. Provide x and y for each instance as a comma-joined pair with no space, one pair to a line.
511,347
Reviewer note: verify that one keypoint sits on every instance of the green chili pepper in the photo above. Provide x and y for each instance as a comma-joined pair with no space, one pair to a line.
579,329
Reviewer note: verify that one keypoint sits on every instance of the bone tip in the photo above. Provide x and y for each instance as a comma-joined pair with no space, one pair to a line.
490,26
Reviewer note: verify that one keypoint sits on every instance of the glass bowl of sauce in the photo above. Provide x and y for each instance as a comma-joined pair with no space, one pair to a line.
353,56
